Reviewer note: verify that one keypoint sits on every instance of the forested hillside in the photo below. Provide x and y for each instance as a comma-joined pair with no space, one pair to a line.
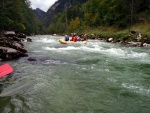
94,13
73,15
17,15
59,7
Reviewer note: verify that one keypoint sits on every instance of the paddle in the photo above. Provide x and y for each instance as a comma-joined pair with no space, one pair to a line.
5,69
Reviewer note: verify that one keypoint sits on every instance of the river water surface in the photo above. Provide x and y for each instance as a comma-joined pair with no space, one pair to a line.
97,77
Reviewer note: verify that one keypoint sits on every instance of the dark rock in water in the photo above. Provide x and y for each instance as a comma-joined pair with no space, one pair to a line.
21,35
29,40
16,39
32,59
43,59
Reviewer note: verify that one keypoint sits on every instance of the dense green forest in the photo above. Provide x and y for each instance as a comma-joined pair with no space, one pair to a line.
118,14
17,15
78,16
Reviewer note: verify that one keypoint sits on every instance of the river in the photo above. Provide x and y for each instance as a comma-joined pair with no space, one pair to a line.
96,77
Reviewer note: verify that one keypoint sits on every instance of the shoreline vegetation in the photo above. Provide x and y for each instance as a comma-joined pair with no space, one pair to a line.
136,36
12,47
124,22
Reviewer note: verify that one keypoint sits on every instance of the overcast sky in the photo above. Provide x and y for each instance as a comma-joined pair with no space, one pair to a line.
42,4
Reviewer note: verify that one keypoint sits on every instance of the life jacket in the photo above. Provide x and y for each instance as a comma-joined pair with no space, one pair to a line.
75,39
85,37
67,38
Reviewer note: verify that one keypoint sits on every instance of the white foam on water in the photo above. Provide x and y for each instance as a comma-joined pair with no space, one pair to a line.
37,51
63,48
98,48
46,40
55,62
115,52
49,48
126,53
137,89
70,48
118,52
112,79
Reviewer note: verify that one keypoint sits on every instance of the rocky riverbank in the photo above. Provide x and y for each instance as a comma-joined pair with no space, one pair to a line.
11,45
133,39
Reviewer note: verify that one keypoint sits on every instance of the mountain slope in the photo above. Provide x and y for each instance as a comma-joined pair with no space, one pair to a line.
39,13
59,7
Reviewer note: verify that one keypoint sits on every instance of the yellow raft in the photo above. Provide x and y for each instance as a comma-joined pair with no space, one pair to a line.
62,41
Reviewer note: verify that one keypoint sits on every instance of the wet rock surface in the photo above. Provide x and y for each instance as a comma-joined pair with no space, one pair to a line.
11,46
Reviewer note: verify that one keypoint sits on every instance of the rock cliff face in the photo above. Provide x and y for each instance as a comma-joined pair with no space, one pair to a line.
39,13
58,7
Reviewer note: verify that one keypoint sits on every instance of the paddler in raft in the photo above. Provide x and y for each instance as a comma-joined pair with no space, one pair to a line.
85,37
74,38
66,38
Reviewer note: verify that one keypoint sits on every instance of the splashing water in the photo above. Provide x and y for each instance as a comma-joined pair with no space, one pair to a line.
96,77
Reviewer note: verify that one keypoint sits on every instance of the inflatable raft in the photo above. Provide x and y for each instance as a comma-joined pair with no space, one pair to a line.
62,41
5,69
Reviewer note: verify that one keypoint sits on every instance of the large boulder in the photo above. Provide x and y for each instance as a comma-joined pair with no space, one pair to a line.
10,53
9,33
11,47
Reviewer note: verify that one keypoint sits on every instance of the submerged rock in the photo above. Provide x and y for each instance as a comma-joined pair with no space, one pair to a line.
29,40
32,59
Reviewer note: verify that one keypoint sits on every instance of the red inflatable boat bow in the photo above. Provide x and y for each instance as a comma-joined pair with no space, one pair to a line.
5,69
